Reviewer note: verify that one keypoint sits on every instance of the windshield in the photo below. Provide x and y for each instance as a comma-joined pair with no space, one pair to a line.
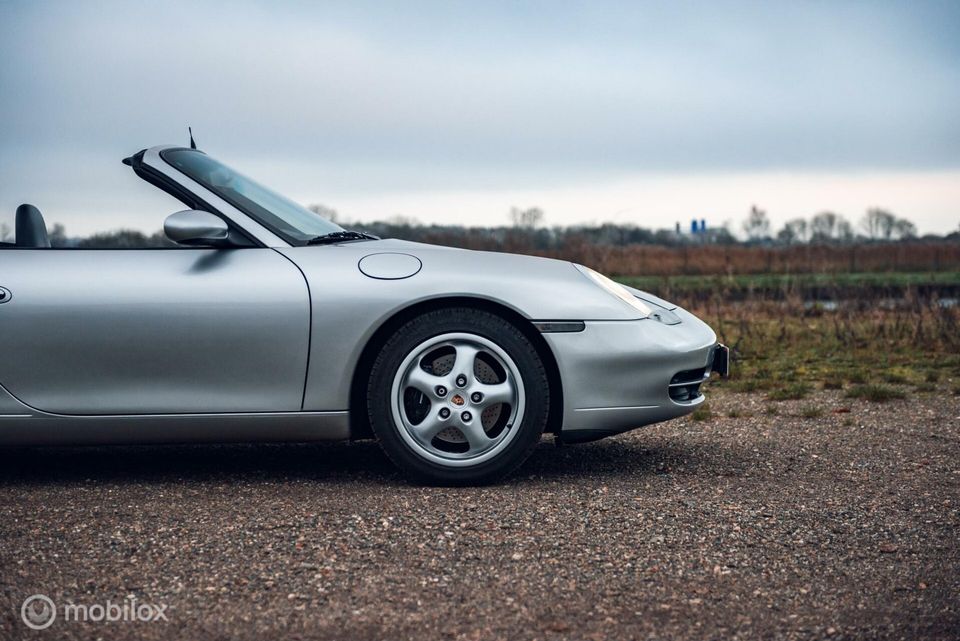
292,222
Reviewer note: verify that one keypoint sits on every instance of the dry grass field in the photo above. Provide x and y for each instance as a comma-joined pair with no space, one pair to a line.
884,340
696,259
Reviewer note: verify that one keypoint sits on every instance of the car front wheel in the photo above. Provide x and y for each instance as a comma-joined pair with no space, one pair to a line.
458,396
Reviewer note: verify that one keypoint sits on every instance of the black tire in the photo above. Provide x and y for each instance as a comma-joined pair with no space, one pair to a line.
529,427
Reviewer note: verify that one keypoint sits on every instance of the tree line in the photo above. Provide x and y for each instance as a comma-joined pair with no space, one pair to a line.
527,230
875,225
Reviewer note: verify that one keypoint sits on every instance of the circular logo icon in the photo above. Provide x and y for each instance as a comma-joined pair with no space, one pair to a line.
38,612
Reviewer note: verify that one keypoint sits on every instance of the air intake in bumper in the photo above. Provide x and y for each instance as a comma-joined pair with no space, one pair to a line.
685,386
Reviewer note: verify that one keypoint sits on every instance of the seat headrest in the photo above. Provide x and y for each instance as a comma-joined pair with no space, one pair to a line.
30,228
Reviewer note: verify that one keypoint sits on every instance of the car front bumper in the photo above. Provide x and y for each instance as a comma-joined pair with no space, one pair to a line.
620,375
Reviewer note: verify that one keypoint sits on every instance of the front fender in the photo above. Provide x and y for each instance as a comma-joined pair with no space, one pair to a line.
348,306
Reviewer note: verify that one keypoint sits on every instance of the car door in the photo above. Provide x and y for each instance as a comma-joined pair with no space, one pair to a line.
153,331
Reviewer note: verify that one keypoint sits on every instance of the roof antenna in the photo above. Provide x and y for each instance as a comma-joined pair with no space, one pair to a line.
193,145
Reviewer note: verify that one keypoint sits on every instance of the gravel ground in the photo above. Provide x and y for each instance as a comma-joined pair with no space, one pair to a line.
843,525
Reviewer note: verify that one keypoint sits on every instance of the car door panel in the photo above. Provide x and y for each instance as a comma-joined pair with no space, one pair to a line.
162,331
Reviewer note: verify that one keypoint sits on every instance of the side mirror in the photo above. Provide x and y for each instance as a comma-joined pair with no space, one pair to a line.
196,228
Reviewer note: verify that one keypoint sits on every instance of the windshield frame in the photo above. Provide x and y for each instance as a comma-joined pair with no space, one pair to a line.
245,207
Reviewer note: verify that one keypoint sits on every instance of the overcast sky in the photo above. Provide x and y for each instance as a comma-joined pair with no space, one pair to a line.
451,112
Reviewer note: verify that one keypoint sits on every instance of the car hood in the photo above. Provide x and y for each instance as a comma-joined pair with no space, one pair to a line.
538,288
404,245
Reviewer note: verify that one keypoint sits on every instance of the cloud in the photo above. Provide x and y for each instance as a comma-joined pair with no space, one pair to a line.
464,96
800,85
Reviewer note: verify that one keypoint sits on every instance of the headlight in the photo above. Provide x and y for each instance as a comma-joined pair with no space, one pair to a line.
617,290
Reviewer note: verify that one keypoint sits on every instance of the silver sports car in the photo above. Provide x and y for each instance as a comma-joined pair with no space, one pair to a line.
268,322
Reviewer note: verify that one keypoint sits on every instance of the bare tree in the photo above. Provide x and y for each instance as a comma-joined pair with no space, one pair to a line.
878,224
526,218
845,231
5,235
787,236
823,226
326,212
800,228
794,231
904,229
757,225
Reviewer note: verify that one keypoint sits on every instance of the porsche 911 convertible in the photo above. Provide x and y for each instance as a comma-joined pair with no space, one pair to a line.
265,321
